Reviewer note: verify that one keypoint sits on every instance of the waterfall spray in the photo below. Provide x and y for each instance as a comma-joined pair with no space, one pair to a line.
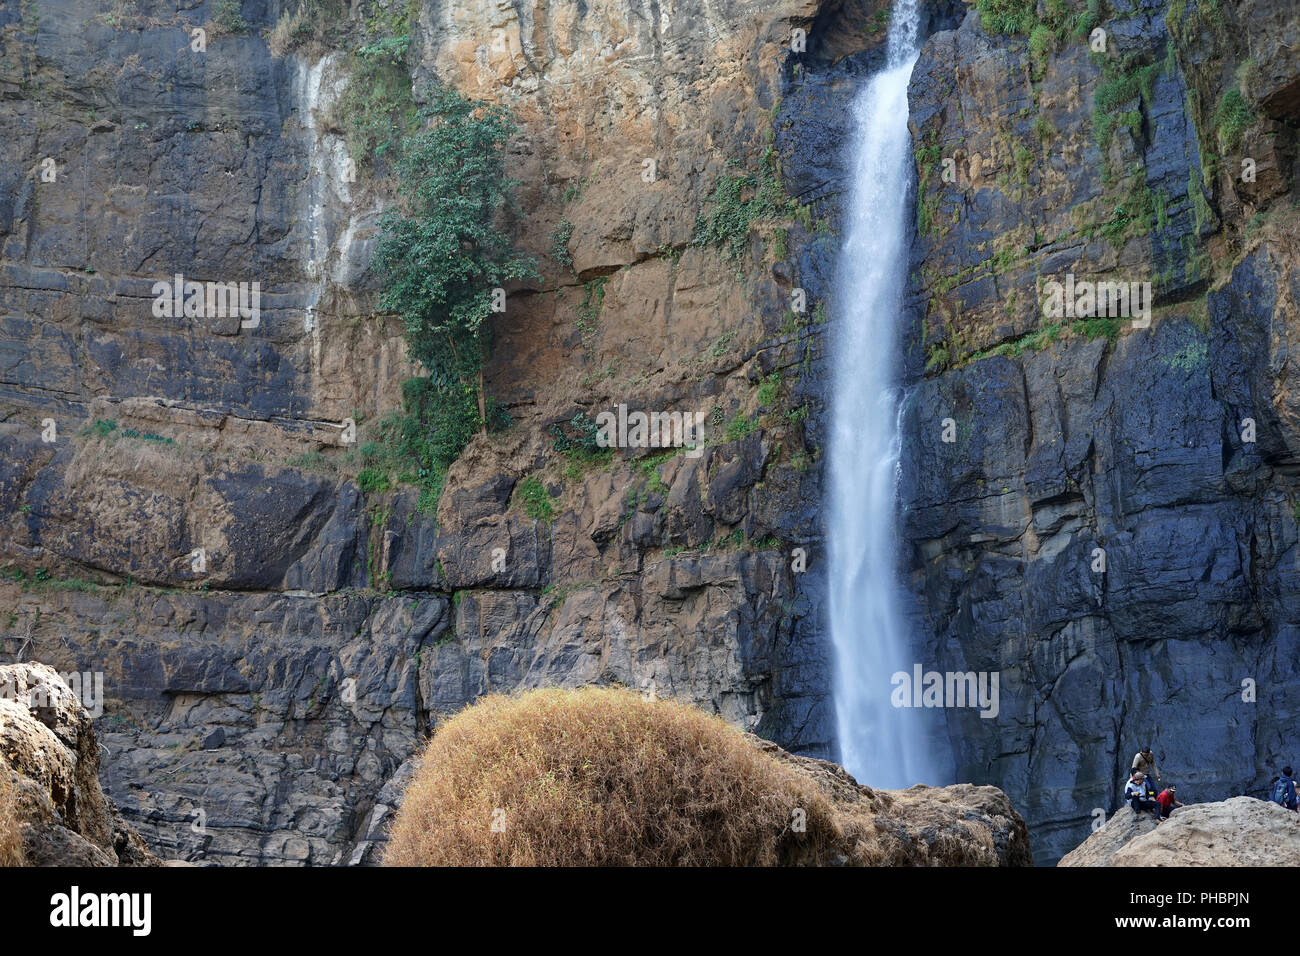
879,744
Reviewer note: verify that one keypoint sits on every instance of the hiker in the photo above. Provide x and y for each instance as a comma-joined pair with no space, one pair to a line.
1168,799
1135,792
1145,761
1150,788
1284,790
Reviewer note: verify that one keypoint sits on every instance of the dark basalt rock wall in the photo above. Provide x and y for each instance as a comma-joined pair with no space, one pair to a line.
1130,443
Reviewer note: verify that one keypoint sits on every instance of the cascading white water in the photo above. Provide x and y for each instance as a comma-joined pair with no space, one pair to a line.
879,744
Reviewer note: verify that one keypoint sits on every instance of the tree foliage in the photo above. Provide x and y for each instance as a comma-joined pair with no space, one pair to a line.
441,254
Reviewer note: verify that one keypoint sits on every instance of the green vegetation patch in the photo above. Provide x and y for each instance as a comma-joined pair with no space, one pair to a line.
593,300
229,16
927,156
1007,16
536,500
417,445
1232,117
560,237
738,201
377,108
440,257
1123,81
1134,215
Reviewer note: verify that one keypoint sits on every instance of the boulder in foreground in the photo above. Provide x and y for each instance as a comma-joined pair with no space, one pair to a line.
52,810
1241,831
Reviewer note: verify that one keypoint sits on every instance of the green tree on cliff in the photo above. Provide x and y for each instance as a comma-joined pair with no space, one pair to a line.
443,251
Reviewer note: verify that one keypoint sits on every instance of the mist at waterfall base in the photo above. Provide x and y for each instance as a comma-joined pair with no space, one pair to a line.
881,745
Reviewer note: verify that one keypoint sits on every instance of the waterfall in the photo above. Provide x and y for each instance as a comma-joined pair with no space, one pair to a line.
332,213
879,744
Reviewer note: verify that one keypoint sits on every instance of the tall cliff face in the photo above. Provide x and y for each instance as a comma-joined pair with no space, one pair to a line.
261,702
1114,527
261,694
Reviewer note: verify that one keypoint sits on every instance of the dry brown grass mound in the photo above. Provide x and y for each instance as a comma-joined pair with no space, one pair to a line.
11,839
599,776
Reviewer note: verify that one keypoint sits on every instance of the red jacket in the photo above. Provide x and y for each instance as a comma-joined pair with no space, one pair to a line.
1166,799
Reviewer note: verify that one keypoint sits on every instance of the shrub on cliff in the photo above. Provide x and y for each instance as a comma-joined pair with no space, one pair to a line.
1007,16
423,440
600,776
441,254
377,108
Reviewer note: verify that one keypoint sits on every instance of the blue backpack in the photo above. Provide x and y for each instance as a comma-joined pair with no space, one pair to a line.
1284,792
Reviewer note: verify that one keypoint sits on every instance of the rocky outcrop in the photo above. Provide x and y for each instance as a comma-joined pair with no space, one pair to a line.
959,825
1241,831
1123,827
49,772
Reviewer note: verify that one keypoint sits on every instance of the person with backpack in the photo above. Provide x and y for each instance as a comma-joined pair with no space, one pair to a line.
1168,800
1135,792
1284,792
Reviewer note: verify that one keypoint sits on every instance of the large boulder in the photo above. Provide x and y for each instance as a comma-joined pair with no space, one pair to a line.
1241,831
50,798
1124,826
959,825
